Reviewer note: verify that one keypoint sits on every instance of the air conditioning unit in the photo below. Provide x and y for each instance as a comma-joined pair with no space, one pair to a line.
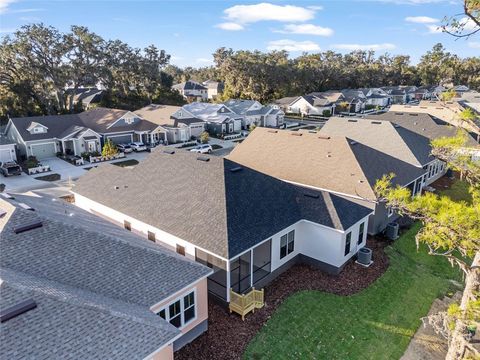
364,257
392,231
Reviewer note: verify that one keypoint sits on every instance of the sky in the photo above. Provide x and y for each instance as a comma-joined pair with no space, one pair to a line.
191,30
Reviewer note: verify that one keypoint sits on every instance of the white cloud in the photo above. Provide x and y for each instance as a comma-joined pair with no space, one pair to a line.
305,29
474,44
4,5
230,26
434,29
292,45
413,2
245,14
376,47
421,19
315,7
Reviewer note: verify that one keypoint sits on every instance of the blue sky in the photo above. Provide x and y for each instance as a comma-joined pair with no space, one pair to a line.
191,30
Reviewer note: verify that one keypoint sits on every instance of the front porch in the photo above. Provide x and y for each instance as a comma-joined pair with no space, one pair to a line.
76,147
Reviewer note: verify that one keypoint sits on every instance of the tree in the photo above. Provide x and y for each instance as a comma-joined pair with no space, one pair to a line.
448,95
450,229
204,137
109,149
465,24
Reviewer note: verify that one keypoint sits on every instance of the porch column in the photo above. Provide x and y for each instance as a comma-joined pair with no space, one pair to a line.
63,147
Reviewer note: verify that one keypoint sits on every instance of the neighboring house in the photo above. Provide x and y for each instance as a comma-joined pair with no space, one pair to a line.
307,105
460,89
192,90
392,139
448,112
247,226
218,119
335,164
422,93
7,149
44,136
284,103
375,97
214,88
355,99
97,290
177,130
253,113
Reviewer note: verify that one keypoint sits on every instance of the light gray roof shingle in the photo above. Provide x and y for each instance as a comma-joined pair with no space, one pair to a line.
81,250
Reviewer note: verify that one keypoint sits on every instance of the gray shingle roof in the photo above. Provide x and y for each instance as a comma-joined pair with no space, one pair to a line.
210,206
84,251
189,85
97,119
71,323
239,106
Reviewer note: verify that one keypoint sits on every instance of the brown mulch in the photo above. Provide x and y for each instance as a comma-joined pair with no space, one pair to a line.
228,336
445,182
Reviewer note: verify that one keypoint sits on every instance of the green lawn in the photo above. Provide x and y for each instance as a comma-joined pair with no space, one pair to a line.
374,324
458,191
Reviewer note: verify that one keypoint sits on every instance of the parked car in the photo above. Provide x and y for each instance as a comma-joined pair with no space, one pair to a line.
138,146
202,149
125,148
10,168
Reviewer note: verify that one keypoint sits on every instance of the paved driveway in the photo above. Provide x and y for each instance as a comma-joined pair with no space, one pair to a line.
67,171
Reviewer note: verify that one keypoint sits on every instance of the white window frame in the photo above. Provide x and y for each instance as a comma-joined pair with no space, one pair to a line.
182,308
287,253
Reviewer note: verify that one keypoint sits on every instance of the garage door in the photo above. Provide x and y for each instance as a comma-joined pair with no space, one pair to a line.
6,155
43,151
123,139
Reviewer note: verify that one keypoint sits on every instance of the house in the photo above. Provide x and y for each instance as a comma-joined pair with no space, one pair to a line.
252,112
397,94
88,97
448,112
247,226
307,105
44,136
214,89
335,164
85,288
354,99
218,118
177,130
392,139
284,103
192,90
7,149
422,93
375,97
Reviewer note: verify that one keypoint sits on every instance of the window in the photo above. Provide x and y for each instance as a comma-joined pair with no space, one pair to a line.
287,244
181,311
361,232
175,314
181,250
151,236
348,241
188,307
127,225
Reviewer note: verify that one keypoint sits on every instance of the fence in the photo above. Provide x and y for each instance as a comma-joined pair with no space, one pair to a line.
243,304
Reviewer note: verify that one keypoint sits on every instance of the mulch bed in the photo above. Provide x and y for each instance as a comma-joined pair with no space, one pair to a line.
50,177
445,182
228,336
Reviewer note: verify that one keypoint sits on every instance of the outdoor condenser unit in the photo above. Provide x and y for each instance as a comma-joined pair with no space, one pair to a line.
364,256
392,231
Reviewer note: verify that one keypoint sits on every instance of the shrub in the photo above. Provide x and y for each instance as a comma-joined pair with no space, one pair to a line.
326,113
204,137
109,149
31,162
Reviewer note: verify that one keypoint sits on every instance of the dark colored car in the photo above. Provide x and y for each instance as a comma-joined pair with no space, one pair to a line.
10,168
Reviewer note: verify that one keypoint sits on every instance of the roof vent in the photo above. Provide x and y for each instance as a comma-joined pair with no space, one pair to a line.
273,131
312,131
352,120
7,196
353,142
203,158
116,187
396,125
398,113
413,114
2,213
310,195
27,227
17,309
236,169
26,207
296,134
323,137
169,151
376,122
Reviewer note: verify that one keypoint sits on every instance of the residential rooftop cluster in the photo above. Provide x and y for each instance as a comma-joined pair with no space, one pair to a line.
128,269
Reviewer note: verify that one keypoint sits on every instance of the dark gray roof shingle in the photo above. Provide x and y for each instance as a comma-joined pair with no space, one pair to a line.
207,204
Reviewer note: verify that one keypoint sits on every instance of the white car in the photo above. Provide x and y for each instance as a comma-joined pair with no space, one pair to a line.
138,146
202,149
125,148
